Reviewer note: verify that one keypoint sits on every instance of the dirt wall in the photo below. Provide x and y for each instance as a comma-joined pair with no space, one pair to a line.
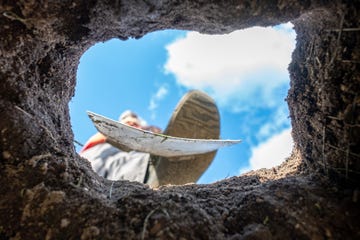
48,191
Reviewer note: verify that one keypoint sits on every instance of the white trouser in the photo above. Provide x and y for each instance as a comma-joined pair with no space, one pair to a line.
114,164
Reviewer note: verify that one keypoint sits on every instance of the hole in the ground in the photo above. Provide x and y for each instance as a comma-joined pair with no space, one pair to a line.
245,72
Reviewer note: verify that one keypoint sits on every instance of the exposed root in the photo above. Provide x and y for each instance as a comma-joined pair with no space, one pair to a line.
344,30
148,217
111,188
41,125
34,160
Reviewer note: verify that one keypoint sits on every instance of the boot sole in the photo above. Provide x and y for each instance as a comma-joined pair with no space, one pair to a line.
196,116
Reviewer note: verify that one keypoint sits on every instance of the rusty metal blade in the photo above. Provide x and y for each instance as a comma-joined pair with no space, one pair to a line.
122,135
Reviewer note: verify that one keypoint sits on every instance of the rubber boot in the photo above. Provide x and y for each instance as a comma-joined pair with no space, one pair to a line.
196,116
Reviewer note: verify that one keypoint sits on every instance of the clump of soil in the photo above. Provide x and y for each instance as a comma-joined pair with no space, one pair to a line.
48,191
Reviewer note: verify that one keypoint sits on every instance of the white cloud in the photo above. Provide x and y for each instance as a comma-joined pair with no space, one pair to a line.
277,121
286,27
271,152
234,67
156,98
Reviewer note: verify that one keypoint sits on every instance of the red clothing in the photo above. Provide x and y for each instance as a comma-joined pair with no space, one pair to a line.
100,138
94,140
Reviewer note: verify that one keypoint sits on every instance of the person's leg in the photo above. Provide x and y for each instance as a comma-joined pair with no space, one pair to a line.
196,116
114,164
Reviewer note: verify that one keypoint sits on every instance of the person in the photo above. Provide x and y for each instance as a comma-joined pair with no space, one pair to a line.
195,116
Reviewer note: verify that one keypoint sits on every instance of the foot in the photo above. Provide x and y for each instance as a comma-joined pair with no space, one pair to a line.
196,116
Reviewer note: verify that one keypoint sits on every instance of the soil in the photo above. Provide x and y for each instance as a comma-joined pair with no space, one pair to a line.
49,192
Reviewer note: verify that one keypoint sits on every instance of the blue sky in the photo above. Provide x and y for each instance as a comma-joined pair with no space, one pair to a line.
245,72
